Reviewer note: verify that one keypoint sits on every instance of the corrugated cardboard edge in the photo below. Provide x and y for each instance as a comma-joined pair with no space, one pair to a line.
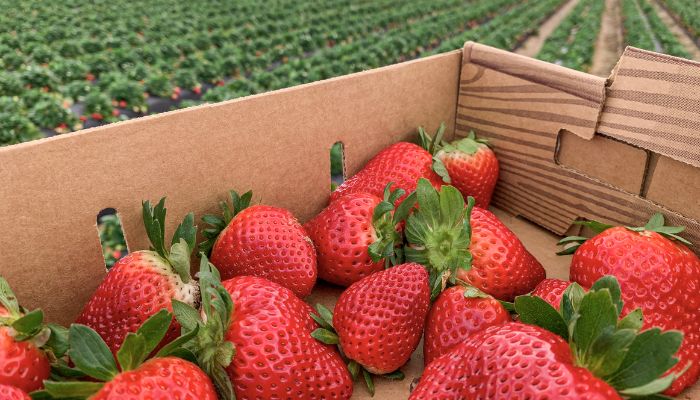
522,105
276,144
654,103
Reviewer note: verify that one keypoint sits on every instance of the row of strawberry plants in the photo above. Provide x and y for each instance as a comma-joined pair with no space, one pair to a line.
663,34
572,44
687,13
407,43
643,28
634,27
125,88
380,48
505,30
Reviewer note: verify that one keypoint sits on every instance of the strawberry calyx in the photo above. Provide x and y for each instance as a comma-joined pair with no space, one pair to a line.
183,241
327,334
609,345
655,224
29,326
92,357
212,351
468,145
385,219
219,223
438,233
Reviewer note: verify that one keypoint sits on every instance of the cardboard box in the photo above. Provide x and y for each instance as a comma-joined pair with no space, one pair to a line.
571,145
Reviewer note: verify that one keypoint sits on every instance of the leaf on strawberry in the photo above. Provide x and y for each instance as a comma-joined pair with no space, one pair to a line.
536,311
90,353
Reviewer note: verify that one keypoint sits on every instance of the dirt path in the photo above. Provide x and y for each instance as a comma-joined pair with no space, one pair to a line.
608,47
534,43
677,31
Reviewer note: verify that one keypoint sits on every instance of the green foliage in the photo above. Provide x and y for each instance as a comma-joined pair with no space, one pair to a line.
635,29
572,44
666,38
687,13
112,239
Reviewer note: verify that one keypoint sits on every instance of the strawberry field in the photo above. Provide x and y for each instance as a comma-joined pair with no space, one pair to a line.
65,66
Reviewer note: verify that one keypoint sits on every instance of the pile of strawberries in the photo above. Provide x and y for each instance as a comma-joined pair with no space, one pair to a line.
412,241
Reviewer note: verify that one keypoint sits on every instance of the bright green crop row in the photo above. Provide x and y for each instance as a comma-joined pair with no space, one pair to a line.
666,38
635,30
111,56
572,43
114,54
655,36
687,12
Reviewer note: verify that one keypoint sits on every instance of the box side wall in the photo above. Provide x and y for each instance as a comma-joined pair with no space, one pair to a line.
525,114
276,144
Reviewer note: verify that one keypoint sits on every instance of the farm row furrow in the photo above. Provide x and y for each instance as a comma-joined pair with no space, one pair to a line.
687,14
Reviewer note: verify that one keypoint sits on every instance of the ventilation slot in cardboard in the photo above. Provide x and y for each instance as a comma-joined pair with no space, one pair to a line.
337,164
613,162
111,235
674,184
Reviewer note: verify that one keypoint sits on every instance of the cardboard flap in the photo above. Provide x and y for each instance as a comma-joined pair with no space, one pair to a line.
506,87
276,144
653,102
527,108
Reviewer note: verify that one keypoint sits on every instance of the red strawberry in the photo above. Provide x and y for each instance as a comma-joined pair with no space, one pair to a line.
143,282
501,265
12,393
167,378
261,241
401,163
24,352
356,236
511,361
197,90
123,103
657,273
467,164
551,290
457,314
96,116
266,329
379,320
468,243
586,352
132,377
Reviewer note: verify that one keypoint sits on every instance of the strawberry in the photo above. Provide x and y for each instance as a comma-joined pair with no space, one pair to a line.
501,265
467,164
401,163
458,313
257,342
26,344
657,273
584,351
551,290
131,376
357,235
8,392
261,241
144,282
467,243
378,321
510,361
